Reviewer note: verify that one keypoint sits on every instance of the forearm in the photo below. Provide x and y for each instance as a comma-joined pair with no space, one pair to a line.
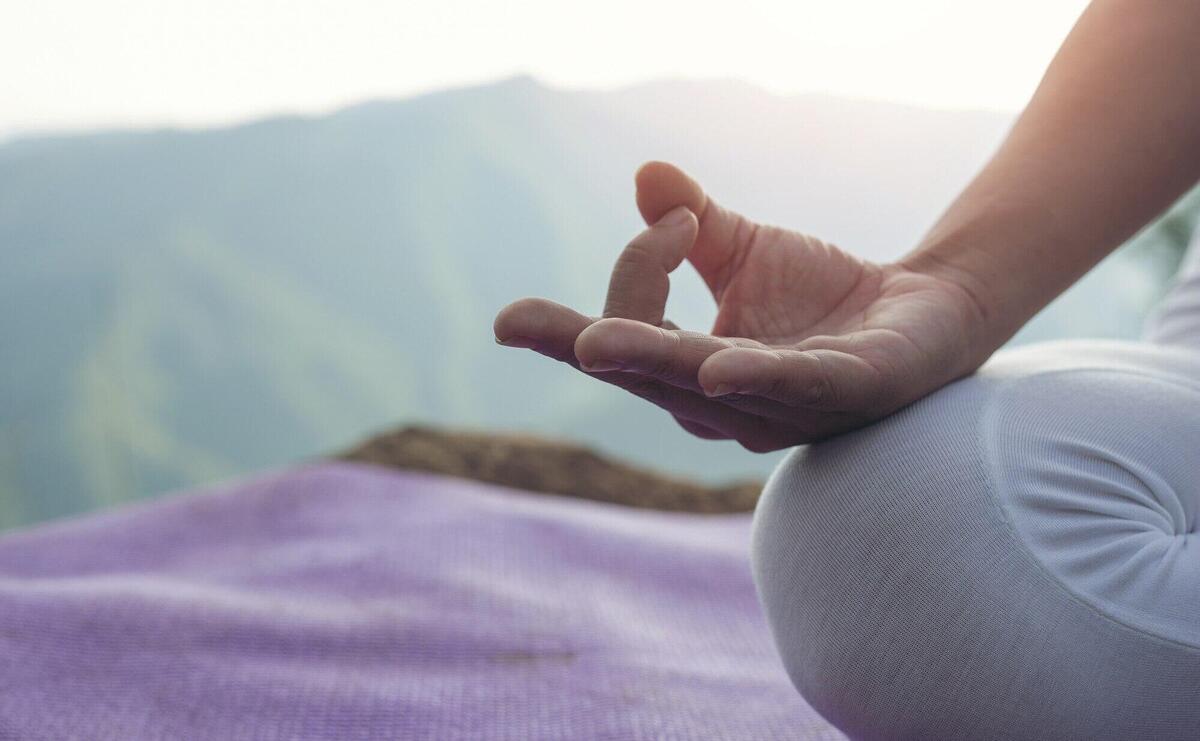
1109,140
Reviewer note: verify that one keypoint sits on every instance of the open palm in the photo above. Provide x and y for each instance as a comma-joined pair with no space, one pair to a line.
809,341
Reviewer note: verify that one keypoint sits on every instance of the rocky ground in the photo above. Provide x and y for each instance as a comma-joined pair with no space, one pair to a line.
550,467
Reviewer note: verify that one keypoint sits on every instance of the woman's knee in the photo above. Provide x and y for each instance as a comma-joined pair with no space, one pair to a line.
859,545
910,595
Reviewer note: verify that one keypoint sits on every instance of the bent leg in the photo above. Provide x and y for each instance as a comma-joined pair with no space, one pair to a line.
1014,556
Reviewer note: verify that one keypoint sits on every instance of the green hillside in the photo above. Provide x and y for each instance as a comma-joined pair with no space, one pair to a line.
178,307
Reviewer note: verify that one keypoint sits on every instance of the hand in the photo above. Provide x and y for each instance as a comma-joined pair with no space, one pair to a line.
809,341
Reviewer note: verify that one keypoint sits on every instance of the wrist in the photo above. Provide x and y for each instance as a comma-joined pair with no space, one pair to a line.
972,304
996,259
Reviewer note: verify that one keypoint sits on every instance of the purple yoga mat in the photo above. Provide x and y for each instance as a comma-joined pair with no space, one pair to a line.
343,601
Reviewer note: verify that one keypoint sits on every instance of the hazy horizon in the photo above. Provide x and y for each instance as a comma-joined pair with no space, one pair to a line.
169,63
265,116
181,307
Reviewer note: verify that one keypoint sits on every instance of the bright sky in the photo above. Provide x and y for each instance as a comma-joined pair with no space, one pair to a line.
87,63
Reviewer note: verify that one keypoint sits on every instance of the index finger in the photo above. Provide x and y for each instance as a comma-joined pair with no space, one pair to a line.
641,280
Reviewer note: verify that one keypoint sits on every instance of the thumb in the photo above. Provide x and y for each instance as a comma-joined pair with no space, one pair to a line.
723,236
662,186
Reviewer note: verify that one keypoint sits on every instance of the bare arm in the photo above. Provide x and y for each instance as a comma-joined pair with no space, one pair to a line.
1110,139
810,340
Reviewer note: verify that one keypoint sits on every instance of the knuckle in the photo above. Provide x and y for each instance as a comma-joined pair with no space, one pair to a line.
640,251
776,387
884,386
820,389
664,364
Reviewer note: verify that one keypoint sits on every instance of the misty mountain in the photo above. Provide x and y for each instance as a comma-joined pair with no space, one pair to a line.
181,306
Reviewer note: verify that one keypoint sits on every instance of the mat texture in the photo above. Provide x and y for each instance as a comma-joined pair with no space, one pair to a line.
346,601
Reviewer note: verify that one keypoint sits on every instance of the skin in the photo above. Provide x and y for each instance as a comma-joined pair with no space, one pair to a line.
811,341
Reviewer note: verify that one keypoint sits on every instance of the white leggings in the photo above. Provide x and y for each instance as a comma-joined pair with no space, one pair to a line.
1014,556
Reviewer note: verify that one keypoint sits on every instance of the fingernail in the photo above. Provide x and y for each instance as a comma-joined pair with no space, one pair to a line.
722,389
677,216
600,366
517,341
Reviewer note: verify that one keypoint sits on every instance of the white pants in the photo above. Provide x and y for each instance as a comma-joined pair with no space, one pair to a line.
1014,556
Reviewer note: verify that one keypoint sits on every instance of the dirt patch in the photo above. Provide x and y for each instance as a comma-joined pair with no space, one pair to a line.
550,467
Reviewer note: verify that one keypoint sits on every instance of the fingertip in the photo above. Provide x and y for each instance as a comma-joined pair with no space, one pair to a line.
662,186
734,370
590,343
536,318
506,319
678,218
611,340
651,170
516,340
520,316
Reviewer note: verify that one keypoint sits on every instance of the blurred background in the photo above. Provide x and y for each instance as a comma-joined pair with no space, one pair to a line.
238,235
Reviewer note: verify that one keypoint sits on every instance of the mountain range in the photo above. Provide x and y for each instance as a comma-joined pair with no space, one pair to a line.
181,306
